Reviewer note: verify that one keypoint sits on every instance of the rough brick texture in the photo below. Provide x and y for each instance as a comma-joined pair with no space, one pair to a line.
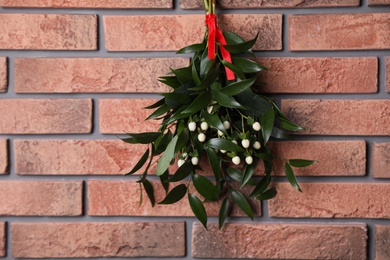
95,75
388,74
164,33
198,4
3,156
48,32
319,75
45,116
382,243
118,116
324,31
88,3
340,117
2,239
41,198
3,74
378,2
71,240
111,198
75,157
331,200
280,241
380,160
334,158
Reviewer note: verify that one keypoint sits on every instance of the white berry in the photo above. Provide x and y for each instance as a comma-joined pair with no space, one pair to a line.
194,160
222,151
180,162
245,143
256,126
226,124
236,160
249,160
192,126
220,133
183,155
256,145
201,137
210,109
204,126
234,142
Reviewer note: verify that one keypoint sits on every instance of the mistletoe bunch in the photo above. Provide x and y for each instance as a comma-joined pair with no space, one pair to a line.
214,110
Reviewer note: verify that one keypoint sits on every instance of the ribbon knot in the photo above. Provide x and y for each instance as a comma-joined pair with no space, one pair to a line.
215,35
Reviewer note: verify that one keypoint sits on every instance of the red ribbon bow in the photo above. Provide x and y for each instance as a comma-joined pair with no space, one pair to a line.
215,35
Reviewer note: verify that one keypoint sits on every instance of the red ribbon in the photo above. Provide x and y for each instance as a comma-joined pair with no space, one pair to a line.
215,35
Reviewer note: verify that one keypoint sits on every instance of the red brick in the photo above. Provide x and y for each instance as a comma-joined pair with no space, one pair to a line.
380,160
339,31
3,74
319,75
378,2
198,4
48,32
82,240
111,198
75,157
2,239
332,200
45,116
280,241
108,75
118,116
382,243
340,117
41,198
165,33
388,74
4,156
136,4
335,158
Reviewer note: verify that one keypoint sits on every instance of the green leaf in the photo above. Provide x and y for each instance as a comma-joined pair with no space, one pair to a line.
208,80
224,144
235,174
142,138
183,172
205,187
158,112
162,145
291,176
242,203
267,122
170,81
140,163
205,64
247,65
248,172
268,194
198,209
176,194
257,104
195,75
192,48
157,104
223,212
214,121
261,186
215,164
182,140
233,38
181,98
184,75
167,157
199,103
164,181
300,162
280,134
149,191
226,101
237,70
288,125
238,87
241,47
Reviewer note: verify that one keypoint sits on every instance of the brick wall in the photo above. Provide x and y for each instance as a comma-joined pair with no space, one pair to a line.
74,74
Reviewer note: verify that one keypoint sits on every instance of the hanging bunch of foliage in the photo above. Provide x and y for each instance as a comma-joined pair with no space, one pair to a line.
215,111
